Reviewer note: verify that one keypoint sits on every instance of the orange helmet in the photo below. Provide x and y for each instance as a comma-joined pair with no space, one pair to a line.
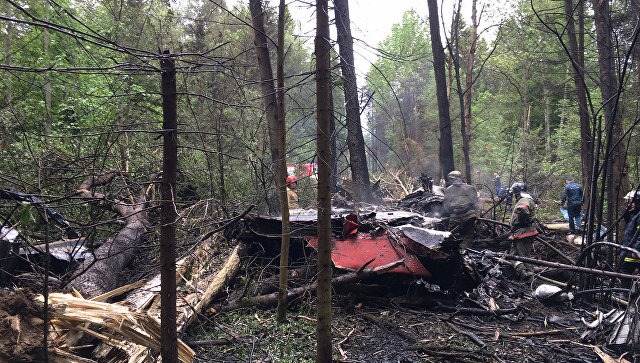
291,179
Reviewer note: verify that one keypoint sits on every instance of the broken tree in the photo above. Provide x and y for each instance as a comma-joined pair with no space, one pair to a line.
99,273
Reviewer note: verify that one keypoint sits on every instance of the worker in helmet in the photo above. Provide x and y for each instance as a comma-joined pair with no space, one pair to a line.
292,193
460,205
523,232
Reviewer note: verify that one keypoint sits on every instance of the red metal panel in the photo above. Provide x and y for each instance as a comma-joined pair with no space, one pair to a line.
352,253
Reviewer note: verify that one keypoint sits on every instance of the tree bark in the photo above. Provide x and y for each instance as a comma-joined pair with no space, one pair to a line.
100,272
169,335
323,93
455,55
281,313
469,82
47,79
268,88
613,119
446,143
355,140
547,118
576,47
8,46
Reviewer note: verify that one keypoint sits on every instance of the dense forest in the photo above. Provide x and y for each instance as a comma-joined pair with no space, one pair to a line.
534,91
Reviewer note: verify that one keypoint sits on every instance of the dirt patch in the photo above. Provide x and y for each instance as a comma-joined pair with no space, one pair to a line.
21,328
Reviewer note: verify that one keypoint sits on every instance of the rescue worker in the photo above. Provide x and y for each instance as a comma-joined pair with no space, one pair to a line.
573,196
523,232
630,261
292,193
460,205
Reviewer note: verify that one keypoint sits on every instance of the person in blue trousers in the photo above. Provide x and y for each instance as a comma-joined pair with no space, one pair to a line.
573,196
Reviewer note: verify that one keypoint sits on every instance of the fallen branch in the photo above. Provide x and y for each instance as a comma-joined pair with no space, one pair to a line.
474,311
468,334
563,266
221,280
538,333
272,299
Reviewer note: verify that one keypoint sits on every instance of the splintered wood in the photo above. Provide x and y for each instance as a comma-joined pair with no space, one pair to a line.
113,324
130,331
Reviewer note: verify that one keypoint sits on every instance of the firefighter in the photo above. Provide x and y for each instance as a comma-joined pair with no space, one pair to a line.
292,193
630,260
523,232
460,205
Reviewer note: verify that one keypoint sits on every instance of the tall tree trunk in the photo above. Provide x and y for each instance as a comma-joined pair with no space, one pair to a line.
576,47
613,119
169,335
446,142
125,155
355,140
47,79
469,79
8,46
268,88
563,117
455,55
281,314
547,117
323,94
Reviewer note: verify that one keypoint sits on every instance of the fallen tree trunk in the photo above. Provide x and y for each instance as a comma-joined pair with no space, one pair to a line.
101,271
272,299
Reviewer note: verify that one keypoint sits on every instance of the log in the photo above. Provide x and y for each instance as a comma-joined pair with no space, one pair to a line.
221,280
272,299
100,272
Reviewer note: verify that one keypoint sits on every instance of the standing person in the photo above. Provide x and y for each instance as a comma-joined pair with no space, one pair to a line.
292,193
523,232
460,204
573,196
496,183
630,261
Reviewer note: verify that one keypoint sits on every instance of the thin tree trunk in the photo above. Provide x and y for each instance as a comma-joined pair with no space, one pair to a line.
469,80
576,47
169,337
355,140
281,314
268,88
47,79
446,143
8,49
547,118
455,55
323,93
563,117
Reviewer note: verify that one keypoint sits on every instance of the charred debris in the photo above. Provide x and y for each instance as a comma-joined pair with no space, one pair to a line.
397,255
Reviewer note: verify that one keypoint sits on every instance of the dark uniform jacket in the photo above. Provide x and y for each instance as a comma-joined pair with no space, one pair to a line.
523,217
629,241
572,195
460,201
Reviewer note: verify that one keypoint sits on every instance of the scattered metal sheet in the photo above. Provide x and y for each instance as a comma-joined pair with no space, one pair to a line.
65,250
426,237
352,253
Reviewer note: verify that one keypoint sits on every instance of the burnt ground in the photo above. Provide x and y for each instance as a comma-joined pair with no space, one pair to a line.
380,329
390,320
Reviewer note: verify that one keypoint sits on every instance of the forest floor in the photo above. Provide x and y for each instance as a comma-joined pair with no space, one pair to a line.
388,320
